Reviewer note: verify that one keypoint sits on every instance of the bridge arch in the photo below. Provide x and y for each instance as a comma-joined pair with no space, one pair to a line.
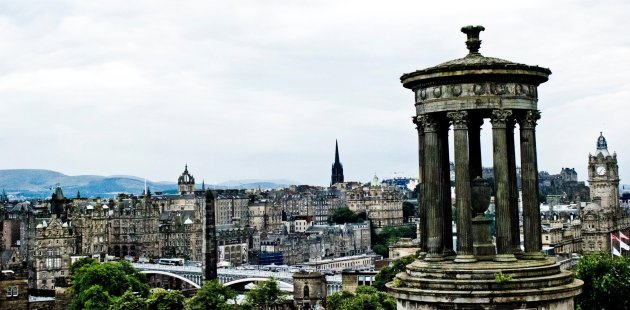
284,286
171,275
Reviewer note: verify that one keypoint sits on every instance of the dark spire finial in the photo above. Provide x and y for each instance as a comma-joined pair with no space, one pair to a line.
473,43
336,151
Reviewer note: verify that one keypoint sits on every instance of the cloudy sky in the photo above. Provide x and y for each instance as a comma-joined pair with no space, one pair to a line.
261,89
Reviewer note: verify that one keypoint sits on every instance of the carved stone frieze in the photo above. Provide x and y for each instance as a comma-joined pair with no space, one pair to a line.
475,90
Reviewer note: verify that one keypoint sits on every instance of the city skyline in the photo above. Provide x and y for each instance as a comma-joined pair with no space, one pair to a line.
259,91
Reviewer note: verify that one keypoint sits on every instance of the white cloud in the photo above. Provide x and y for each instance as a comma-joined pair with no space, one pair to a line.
262,89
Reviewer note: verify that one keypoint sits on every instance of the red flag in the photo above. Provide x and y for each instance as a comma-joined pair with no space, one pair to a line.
622,236
614,237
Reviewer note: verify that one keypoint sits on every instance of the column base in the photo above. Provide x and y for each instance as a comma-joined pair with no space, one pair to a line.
518,253
465,259
434,257
505,258
484,252
533,255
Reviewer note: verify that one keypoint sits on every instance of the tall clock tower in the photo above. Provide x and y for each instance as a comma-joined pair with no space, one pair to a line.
603,176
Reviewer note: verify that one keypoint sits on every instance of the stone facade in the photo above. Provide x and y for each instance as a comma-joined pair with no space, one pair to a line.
55,242
604,215
382,204
309,290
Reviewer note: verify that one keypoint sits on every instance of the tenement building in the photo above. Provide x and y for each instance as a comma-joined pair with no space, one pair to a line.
382,204
603,216
461,94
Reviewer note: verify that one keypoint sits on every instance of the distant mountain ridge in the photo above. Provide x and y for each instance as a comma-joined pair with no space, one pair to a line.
40,183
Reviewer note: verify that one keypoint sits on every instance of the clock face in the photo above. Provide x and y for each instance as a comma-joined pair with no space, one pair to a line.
601,170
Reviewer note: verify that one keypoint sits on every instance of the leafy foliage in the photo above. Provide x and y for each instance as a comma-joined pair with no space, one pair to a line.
162,299
408,209
97,284
365,298
390,235
345,215
388,273
264,294
128,301
605,282
212,295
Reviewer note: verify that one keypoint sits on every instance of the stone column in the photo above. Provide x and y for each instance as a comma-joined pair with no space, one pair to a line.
474,142
513,189
462,188
502,190
432,191
422,211
445,185
529,179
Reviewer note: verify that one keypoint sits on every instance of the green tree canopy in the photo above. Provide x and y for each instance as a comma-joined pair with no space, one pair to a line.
344,215
365,298
162,299
388,273
390,235
212,295
606,282
128,301
264,294
94,281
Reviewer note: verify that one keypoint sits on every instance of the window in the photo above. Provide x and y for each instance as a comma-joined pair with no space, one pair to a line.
12,291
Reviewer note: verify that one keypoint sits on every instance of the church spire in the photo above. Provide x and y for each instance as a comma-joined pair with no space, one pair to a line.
337,168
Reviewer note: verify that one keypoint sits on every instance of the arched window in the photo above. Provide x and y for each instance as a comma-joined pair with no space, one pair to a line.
306,291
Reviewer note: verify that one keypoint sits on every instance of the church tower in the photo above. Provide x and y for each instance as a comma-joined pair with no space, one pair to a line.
603,176
186,182
337,168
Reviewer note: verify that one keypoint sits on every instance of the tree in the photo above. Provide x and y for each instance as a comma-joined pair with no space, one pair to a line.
212,295
94,281
162,299
264,294
365,298
409,209
344,215
128,301
388,273
605,282
390,235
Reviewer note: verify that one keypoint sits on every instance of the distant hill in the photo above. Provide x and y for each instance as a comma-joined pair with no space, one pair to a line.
255,183
40,183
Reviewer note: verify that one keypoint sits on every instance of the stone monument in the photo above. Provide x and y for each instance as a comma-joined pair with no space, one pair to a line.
479,274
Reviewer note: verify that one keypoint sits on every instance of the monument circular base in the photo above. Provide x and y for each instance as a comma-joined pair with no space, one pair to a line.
523,284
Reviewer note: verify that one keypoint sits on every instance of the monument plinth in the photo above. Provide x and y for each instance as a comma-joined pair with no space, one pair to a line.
462,93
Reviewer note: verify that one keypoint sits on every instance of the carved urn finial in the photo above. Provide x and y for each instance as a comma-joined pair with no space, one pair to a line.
473,43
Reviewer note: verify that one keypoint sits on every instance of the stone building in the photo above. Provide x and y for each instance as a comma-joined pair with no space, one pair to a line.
54,244
186,182
382,204
604,215
231,207
134,227
309,290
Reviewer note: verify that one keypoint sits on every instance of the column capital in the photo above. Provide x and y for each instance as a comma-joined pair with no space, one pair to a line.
459,118
500,118
415,120
528,120
429,122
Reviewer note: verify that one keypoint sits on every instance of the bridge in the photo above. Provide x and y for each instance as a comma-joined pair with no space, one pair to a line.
231,276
